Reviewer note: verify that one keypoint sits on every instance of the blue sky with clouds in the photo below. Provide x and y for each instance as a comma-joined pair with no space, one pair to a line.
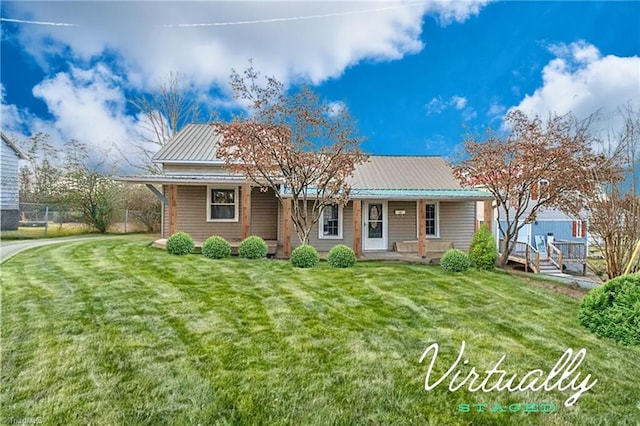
414,74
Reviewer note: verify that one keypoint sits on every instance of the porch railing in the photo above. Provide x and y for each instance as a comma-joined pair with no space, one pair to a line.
523,253
555,255
572,251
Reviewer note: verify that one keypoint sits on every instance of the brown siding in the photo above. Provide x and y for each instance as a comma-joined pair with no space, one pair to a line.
457,223
264,214
402,228
192,215
327,244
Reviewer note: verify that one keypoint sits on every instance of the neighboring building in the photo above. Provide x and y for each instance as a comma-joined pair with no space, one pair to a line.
550,224
568,234
9,169
390,196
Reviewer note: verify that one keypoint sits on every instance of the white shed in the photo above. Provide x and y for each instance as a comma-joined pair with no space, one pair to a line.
9,207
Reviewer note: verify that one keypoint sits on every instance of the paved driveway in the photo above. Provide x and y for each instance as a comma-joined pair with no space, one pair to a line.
11,248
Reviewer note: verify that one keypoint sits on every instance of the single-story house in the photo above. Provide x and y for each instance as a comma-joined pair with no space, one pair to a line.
396,202
9,169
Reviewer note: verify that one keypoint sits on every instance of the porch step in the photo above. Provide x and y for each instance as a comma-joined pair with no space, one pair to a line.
547,267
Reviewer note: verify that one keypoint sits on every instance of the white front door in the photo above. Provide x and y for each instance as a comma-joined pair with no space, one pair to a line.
374,230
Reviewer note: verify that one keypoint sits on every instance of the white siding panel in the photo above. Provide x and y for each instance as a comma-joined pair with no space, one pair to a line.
8,178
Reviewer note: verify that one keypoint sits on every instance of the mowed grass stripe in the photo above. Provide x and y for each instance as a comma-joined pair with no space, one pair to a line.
115,332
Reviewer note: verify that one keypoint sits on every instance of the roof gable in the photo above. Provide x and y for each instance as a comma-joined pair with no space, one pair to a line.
8,141
195,143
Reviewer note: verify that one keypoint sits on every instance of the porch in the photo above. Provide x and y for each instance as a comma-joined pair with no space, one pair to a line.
399,224
272,246
276,251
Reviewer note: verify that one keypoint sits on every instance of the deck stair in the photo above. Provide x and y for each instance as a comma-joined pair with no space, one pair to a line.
548,267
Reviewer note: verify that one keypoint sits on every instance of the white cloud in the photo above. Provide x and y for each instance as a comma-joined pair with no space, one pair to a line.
469,114
437,105
496,109
336,107
144,37
459,102
142,42
11,115
19,123
87,105
582,81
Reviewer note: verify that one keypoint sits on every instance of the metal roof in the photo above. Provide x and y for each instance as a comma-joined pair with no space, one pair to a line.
404,172
195,143
382,176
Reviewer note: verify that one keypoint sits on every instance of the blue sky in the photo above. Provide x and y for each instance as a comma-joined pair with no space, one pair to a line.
412,73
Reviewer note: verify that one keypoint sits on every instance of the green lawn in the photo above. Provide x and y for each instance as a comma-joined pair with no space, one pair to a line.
116,332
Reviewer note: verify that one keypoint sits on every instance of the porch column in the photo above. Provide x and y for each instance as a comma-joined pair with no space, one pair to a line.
286,231
488,214
422,228
246,211
357,227
173,209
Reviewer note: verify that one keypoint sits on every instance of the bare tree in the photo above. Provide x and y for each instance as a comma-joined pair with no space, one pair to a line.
615,210
40,178
164,112
88,189
538,164
293,142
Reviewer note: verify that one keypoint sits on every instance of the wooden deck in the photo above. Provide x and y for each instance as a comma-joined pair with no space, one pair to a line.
559,254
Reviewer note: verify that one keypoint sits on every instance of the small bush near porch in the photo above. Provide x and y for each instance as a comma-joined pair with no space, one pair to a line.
116,332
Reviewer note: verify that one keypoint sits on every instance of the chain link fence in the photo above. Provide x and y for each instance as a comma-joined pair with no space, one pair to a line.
42,221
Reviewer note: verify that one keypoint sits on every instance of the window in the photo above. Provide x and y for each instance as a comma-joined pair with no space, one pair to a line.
331,222
432,221
222,204
579,228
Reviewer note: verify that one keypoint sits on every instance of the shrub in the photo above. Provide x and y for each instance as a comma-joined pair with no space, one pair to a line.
341,256
304,256
180,243
482,251
253,247
455,260
216,248
613,310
